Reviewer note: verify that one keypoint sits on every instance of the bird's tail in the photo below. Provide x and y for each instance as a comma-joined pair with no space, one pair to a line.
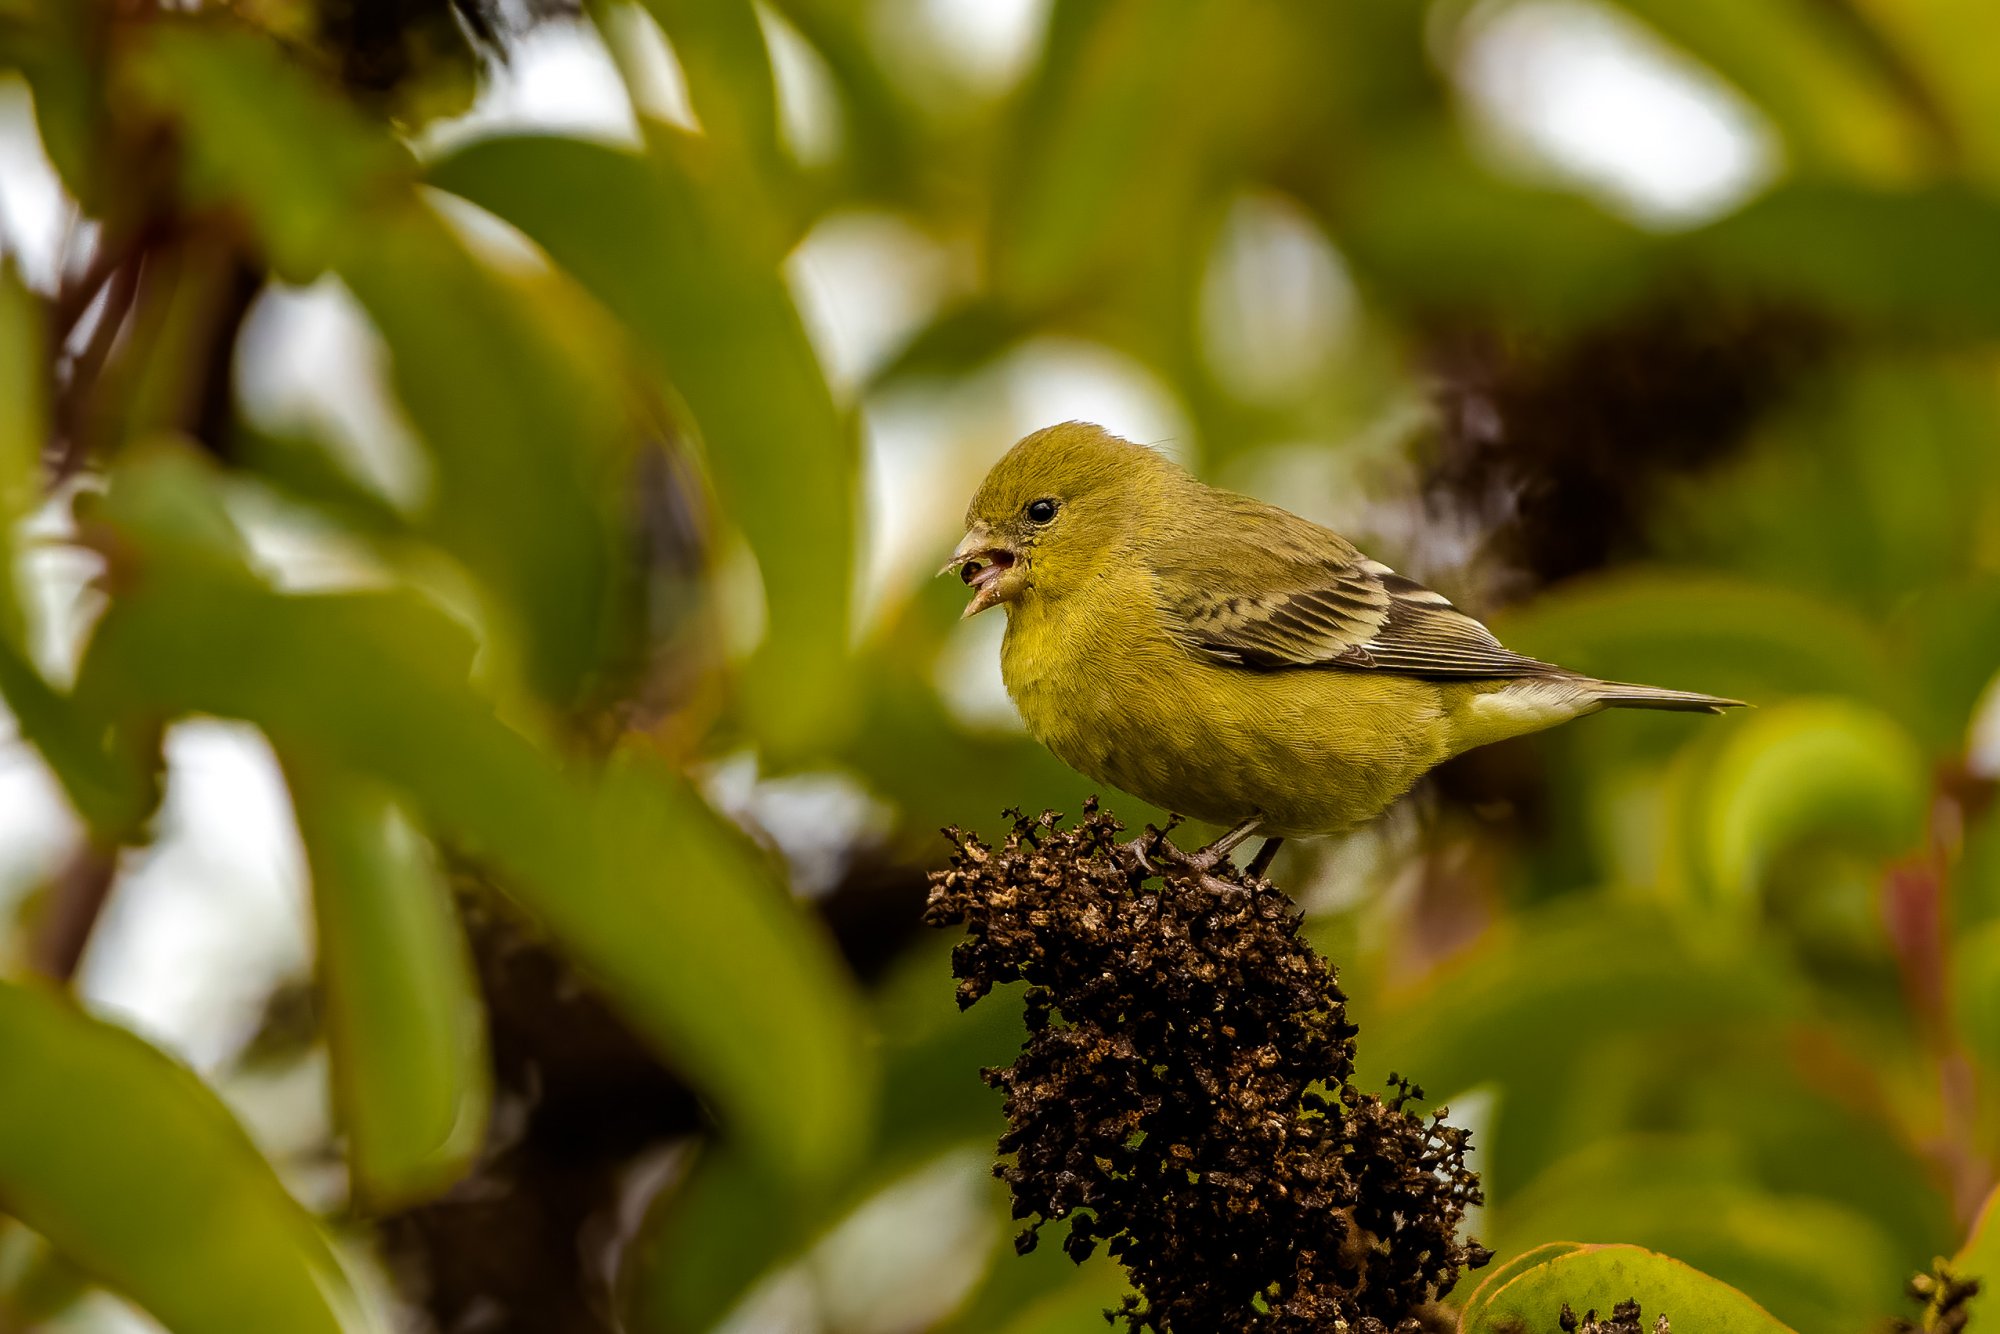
1619,695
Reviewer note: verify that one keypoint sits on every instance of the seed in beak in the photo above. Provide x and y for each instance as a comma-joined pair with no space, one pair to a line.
985,567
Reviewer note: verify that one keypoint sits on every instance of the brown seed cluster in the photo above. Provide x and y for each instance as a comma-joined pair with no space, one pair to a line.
1946,1299
1182,1098
1625,1318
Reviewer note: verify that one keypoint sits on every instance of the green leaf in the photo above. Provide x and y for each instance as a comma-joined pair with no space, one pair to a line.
1802,66
528,434
880,126
643,884
24,427
1980,1256
403,1016
1598,1278
1810,1260
1975,982
1780,1102
1439,232
1527,1008
1811,768
664,254
135,1171
1951,630
260,135
39,1285
1934,52
527,428
730,85
1091,177
1703,632
727,1223
1900,258
57,47
111,796
1502,1272
1078,1307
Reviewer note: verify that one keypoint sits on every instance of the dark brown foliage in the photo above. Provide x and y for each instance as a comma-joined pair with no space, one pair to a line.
382,44
1560,448
1947,1302
1183,1099
1625,1318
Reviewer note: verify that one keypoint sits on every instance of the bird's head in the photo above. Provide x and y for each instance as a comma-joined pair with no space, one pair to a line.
1053,510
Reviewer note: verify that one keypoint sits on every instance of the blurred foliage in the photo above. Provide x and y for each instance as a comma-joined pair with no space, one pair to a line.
1728,992
1598,1278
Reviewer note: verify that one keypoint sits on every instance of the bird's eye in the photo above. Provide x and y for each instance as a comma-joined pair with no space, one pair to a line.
1041,511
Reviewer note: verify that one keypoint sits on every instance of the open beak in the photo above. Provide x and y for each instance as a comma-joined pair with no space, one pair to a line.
981,562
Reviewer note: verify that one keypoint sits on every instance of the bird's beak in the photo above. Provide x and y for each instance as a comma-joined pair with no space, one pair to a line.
987,565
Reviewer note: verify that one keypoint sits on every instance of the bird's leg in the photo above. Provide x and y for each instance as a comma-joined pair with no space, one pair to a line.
1218,852
1262,861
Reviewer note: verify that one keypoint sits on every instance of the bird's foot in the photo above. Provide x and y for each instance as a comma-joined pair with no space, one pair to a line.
1139,853
1152,851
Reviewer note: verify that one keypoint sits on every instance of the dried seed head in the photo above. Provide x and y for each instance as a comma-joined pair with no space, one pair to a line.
1183,1096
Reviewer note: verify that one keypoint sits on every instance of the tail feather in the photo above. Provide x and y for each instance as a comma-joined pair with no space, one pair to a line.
1619,695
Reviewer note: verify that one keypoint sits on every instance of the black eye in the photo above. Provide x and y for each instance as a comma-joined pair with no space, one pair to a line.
1041,511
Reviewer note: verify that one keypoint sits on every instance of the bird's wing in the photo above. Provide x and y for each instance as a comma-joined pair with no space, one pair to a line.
1266,589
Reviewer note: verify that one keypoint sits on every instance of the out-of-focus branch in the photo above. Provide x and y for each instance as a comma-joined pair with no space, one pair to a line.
76,901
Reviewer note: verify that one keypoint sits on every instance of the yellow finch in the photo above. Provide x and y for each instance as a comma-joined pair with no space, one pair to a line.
1228,660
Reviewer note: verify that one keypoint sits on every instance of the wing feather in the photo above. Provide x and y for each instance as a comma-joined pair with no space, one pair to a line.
1266,589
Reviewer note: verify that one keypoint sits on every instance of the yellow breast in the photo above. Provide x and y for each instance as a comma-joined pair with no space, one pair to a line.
1313,750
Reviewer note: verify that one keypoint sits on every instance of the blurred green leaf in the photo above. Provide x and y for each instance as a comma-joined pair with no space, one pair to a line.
527,432
306,467
1828,768
1953,632
1786,1104
1438,232
729,1223
1814,1263
135,1171
1599,1277
646,887
1884,531
880,126
54,47
1915,258
109,799
403,1017
262,136
720,1229
528,435
1523,1010
1107,143
39,1284
1701,632
1077,1308
661,251
1975,980
1837,108
1980,1256
24,427
111,796
961,340
721,49
1937,45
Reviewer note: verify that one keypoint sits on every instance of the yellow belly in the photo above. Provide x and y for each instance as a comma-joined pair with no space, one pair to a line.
1308,751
